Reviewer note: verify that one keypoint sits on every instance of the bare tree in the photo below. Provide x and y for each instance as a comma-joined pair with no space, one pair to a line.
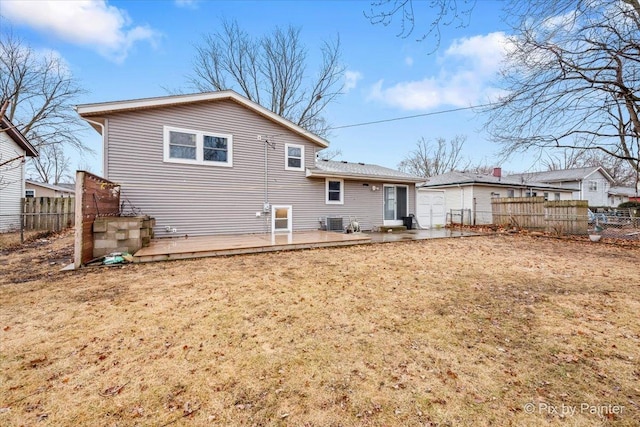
482,169
40,91
434,158
572,79
271,71
440,13
329,154
52,165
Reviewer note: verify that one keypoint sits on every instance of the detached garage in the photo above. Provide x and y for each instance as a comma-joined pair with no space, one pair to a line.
466,197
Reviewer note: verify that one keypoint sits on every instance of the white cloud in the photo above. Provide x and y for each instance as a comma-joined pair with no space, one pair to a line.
464,78
191,4
351,80
84,22
409,61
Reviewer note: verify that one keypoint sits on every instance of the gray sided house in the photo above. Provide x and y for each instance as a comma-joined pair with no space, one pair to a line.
589,183
450,193
217,163
14,149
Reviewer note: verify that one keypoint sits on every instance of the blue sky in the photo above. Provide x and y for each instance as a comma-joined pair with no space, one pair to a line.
134,49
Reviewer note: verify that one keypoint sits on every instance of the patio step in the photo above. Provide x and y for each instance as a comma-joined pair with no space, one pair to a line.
391,228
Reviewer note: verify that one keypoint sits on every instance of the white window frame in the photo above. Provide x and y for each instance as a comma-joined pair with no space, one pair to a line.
395,214
286,157
592,185
556,196
31,190
199,160
326,191
511,193
289,209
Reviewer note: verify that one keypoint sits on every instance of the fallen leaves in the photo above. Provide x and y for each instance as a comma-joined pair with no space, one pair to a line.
113,390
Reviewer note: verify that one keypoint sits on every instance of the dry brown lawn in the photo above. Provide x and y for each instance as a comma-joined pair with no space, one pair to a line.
495,330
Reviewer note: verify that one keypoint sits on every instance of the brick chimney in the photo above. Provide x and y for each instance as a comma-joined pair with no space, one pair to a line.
497,172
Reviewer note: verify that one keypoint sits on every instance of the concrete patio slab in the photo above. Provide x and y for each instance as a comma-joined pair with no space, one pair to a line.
207,246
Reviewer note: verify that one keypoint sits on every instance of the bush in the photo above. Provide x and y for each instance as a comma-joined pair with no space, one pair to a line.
629,205
634,208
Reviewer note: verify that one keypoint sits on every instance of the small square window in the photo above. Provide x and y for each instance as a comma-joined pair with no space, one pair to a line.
335,192
294,157
593,185
29,193
556,196
511,193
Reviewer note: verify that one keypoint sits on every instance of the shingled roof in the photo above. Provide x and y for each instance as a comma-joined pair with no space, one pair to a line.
330,168
563,175
467,178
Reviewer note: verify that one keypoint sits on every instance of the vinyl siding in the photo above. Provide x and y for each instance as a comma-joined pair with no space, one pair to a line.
600,197
205,199
482,195
11,184
360,202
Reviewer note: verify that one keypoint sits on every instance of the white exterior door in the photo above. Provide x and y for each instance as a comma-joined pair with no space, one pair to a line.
430,208
396,203
281,219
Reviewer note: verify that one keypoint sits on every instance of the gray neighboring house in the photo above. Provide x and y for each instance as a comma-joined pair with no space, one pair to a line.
589,183
14,149
441,195
218,163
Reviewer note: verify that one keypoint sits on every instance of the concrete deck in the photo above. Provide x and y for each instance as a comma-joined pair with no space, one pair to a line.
220,245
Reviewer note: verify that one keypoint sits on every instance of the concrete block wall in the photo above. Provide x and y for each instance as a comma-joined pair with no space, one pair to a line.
121,234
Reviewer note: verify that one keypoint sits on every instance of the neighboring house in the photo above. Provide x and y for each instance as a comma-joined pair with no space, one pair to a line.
452,192
218,163
589,183
14,149
41,189
619,195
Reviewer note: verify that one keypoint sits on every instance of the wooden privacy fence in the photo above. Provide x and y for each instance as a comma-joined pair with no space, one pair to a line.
47,213
536,213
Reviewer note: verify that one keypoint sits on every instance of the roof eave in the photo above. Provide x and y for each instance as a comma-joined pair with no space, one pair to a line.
602,171
18,137
376,178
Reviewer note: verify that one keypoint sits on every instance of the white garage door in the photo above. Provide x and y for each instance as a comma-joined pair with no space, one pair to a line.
430,209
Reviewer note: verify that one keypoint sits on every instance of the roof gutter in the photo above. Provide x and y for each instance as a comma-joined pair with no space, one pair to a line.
324,174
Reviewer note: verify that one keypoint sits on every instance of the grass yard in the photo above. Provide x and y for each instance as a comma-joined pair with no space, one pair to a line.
496,330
